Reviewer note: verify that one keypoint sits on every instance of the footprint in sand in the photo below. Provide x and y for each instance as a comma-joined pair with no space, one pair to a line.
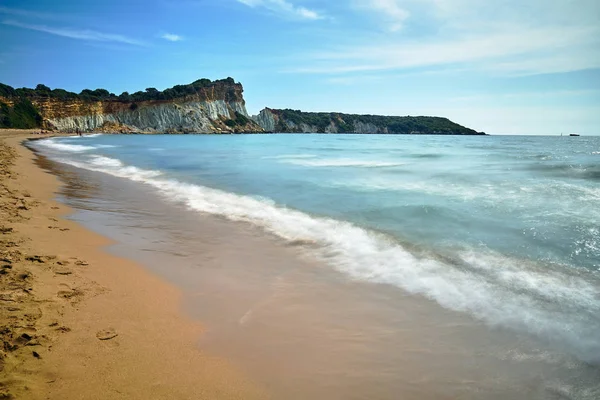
68,293
4,230
59,228
63,271
106,334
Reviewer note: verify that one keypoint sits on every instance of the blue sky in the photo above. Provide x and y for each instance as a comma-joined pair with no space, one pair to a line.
504,66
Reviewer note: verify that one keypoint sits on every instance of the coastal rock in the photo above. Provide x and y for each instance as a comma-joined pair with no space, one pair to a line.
266,119
296,121
187,117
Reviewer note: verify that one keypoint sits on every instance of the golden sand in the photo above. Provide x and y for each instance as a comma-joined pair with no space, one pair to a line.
78,323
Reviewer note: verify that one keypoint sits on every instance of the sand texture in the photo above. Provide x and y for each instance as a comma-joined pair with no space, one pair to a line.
78,323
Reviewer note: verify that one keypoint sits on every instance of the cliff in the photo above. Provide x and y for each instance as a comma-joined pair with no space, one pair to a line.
295,121
200,107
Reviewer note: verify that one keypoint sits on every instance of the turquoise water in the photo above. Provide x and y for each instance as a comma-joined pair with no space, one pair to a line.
503,228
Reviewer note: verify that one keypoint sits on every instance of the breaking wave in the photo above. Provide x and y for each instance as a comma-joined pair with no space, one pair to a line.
75,148
53,144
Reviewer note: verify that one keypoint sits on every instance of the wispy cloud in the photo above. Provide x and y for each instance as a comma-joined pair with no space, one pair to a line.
171,37
284,7
468,49
502,39
80,34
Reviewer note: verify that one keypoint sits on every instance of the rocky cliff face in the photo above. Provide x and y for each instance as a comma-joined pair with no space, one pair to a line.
175,116
295,121
201,107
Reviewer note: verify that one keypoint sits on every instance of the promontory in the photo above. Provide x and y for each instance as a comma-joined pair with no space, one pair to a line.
203,106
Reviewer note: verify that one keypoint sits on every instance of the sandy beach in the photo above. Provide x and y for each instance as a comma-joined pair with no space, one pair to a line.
78,323
144,289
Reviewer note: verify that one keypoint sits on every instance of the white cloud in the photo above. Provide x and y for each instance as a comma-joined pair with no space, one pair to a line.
171,37
80,34
509,38
533,43
284,7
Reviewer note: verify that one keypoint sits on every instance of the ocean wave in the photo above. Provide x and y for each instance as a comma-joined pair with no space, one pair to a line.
576,171
561,307
75,148
54,144
341,162
113,167
102,161
510,196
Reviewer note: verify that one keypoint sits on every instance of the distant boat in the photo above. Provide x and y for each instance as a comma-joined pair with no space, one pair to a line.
573,134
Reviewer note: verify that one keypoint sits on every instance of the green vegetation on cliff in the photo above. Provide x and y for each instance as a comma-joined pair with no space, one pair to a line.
150,94
20,113
240,120
23,107
350,123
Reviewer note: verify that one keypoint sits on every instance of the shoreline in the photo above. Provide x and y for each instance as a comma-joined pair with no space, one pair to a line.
81,323
294,323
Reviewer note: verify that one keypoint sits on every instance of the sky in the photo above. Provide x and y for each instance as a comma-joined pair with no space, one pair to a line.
501,66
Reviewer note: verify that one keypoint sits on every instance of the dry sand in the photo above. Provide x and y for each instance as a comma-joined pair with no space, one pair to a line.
77,323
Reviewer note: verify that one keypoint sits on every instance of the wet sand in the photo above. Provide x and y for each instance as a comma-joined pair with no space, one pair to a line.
79,323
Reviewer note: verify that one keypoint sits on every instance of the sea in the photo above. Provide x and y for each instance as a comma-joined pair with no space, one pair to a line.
349,266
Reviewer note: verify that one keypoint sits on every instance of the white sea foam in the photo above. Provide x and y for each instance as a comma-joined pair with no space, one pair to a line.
75,148
556,306
340,162
102,161
113,167
522,275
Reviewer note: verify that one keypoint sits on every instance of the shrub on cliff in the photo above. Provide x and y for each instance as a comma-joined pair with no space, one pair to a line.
22,115
63,95
7,91
151,94
4,118
240,120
